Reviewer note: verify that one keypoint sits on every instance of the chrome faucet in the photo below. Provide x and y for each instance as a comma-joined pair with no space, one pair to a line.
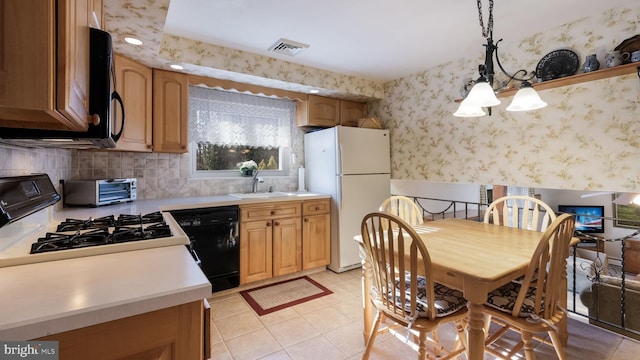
256,180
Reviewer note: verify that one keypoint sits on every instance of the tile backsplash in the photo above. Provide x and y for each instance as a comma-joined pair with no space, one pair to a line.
162,175
159,175
59,164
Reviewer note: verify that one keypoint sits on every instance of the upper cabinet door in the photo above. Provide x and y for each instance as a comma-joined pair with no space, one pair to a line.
170,111
351,112
318,111
134,84
74,17
27,69
44,69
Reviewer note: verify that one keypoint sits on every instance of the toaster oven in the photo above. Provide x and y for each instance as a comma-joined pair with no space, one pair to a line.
98,192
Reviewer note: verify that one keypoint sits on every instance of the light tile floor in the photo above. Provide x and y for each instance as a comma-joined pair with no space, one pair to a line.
327,328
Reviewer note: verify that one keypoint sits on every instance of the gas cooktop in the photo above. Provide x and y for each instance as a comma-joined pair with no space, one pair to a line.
80,233
28,233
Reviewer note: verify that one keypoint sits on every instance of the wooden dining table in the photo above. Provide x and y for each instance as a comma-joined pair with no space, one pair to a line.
472,257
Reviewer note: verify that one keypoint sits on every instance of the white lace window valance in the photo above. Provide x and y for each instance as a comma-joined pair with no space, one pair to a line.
230,119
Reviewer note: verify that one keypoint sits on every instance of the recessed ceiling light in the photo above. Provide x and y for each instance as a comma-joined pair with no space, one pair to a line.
176,67
132,40
314,91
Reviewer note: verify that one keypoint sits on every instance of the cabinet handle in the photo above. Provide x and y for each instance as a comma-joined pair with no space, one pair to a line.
269,224
306,219
273,212
317,207
276,223
95,119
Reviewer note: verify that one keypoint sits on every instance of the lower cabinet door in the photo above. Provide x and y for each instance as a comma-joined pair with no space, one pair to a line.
287,246
256,250
174,333
316,232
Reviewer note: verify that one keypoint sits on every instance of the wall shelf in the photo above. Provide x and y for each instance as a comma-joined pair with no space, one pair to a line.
578,78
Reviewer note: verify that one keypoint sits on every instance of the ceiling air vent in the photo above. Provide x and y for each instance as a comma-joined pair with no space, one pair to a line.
287,47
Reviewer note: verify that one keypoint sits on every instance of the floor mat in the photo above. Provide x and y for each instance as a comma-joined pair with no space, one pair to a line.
267,299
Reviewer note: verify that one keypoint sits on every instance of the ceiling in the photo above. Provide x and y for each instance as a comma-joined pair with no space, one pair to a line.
378,40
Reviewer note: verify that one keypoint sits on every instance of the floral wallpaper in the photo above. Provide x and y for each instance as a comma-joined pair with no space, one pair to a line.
587,138
294,77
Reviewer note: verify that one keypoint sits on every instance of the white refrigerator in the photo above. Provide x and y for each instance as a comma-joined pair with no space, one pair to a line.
353,165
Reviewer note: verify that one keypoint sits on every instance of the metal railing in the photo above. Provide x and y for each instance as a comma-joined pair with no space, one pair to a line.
434,208
612,276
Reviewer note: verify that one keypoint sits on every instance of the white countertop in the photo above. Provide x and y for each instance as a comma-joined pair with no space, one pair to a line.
51,297
147,206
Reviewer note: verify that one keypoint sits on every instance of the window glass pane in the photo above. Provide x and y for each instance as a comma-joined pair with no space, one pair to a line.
216,157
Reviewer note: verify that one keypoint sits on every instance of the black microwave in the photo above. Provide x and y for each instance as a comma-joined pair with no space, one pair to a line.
102,94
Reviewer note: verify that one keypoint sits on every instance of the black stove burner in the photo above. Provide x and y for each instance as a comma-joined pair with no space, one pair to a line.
91,223
133,233
125,219
124,229
57,241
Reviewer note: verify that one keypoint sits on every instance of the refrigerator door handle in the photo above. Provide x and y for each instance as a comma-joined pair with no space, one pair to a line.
339,195
339,160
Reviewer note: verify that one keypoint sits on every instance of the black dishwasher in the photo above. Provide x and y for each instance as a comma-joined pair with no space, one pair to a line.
214,237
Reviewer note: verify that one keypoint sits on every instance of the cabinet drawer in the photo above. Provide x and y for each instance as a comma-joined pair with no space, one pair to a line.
271,211
314,207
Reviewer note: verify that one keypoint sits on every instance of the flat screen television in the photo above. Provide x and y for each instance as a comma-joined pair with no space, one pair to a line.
589,218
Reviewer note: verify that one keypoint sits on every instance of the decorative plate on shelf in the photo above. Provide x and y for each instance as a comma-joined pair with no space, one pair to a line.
557,64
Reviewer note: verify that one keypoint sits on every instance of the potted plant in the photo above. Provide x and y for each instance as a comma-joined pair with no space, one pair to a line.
247,168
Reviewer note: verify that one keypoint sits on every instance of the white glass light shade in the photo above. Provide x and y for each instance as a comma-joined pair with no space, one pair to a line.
526,99
482,95
468,110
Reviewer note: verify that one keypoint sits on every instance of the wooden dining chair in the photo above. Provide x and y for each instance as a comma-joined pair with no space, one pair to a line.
404,208
412,302
505,211
407,210
534,306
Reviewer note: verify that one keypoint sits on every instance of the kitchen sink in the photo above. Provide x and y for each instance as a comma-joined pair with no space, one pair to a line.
261,195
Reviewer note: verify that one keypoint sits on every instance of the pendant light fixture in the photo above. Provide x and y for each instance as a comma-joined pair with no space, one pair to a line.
483,94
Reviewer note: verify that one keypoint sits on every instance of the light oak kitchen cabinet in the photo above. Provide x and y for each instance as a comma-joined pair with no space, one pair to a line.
44,72
316,232
180,332
321,111
351,112
270,240
170,111
318,111
134,83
